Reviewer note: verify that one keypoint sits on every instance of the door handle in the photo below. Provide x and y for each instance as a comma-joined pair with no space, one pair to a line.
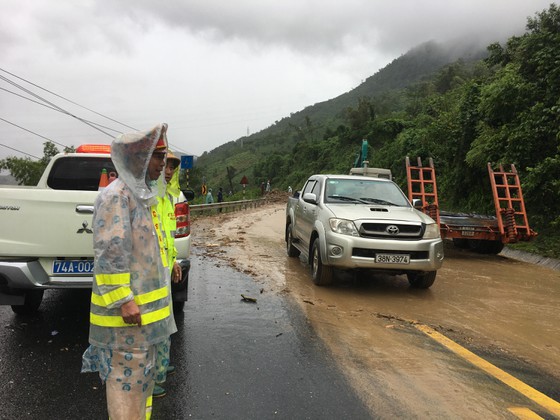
84,209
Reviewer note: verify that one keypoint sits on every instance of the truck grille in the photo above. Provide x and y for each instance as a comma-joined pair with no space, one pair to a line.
370,253
391,230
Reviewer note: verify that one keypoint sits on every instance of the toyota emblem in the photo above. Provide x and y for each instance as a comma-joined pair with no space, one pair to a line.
392,230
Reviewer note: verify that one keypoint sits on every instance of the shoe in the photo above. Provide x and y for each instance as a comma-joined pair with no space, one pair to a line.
170,370
158,392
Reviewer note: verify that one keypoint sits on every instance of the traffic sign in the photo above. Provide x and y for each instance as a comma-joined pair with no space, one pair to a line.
187,162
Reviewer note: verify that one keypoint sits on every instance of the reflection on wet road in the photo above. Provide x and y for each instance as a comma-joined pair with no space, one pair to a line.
244,360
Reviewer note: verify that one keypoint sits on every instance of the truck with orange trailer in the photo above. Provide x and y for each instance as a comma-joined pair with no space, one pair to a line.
482,234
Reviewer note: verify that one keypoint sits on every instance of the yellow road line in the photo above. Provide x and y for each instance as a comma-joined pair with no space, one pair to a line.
538,397
524,413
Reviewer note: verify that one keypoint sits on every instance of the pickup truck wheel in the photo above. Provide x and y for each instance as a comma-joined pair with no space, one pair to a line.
33,299
321,274
422,280
290,248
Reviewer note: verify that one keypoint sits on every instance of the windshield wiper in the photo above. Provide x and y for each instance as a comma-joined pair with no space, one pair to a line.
344,198
379,201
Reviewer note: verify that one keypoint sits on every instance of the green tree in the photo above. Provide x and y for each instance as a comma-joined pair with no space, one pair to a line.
359,117
27,171
231,172
520,110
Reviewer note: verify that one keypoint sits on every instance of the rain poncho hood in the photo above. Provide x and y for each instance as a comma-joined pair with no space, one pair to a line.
131,155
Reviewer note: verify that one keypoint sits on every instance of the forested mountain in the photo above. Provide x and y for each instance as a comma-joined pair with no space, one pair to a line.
243,155
463,109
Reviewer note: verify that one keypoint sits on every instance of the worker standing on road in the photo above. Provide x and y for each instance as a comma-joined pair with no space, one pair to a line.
130,301
209,197
220,198
166,212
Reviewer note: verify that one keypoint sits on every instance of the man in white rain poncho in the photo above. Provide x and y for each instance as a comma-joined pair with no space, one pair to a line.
130,302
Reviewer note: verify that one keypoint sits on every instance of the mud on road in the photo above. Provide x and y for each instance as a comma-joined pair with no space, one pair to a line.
502,309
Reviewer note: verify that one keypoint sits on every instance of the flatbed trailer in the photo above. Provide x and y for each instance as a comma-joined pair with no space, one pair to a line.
483,234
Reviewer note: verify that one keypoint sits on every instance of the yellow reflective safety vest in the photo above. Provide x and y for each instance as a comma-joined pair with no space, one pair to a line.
166,210
130,263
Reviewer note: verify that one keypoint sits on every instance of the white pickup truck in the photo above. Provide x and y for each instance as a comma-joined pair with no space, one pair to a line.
45,231
360,222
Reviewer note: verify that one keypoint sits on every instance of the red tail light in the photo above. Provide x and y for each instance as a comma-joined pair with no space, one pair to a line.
183,218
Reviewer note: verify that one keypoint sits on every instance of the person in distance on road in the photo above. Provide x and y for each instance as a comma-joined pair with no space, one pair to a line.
209,197
220,198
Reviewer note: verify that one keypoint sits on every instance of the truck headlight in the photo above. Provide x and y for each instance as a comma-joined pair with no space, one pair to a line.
344,227
432,231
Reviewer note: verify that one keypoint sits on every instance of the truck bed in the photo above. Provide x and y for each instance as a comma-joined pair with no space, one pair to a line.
467,219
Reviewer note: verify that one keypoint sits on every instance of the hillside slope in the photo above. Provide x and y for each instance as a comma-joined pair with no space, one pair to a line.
241,155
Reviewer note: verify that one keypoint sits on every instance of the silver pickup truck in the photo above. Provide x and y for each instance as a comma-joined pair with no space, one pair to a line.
358,222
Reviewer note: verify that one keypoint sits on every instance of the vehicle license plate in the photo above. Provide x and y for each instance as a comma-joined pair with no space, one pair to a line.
392,258
467,231
73,267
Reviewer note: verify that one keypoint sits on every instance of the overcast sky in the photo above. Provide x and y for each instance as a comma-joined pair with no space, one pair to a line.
213,70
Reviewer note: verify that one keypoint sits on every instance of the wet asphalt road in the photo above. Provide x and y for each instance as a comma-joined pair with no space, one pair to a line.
235,360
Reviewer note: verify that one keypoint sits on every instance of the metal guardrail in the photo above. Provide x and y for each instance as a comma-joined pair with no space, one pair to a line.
226,206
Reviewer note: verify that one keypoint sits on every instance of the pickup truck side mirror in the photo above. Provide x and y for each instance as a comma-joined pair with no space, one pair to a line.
189,194
417,204
310,198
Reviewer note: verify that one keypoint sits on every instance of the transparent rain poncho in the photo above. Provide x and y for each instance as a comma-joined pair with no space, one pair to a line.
130,264
126,246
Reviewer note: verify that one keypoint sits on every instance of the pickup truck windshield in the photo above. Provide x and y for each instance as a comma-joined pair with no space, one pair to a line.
78,173
364,192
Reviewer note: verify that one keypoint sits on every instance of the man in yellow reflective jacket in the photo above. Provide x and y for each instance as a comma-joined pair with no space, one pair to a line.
167,206
166,211
130,303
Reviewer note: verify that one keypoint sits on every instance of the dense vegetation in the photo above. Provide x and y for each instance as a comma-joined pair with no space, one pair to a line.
503,108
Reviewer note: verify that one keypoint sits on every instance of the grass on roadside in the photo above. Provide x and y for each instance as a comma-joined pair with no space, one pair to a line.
547,243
